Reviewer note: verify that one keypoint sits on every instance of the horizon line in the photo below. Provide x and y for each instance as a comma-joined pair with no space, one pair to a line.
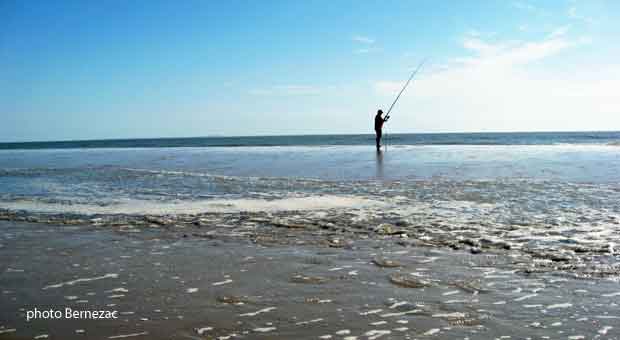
299,135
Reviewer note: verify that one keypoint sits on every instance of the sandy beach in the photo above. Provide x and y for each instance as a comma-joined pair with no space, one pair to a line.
285,282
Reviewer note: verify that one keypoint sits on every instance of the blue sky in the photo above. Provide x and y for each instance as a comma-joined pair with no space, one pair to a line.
129,69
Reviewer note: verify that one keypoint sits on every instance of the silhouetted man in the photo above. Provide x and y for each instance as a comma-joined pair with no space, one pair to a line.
378,126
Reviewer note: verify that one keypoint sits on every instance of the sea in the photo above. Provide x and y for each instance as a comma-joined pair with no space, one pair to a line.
532,192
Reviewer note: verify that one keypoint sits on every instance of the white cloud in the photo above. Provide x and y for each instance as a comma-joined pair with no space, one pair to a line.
363,39
497,89
511,52
573,14
368,45
538,10
482,47
560,31
523,6
286,90
367,50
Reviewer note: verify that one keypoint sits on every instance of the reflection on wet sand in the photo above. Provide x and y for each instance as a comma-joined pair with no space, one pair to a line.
190,283
379,161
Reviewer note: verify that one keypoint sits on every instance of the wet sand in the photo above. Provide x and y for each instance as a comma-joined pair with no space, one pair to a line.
286,283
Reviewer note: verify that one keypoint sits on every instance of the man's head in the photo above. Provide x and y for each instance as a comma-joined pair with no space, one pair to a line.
380,112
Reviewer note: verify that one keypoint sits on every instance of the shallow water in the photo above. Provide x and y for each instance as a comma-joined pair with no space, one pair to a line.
539,199
452,241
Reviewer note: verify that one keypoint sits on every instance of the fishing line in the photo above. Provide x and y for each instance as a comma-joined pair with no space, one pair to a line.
387,115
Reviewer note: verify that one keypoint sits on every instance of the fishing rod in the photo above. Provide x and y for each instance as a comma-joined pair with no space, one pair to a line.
387,115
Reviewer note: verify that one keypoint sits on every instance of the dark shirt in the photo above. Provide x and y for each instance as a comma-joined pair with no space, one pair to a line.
379,122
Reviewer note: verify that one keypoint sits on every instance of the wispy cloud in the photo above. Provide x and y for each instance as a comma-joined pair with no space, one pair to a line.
510,53
286,90
523,6
363,39
367,50
482,47
574,14
528,7
559,32
496,88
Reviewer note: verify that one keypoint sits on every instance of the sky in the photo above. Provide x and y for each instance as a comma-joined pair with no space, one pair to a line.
142,69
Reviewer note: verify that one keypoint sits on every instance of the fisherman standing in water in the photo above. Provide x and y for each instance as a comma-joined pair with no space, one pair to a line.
380,120
378,126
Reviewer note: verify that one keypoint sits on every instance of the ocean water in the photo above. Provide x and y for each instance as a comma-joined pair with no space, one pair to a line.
515,138
531,192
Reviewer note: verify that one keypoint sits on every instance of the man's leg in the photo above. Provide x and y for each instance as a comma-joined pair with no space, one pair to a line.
378,139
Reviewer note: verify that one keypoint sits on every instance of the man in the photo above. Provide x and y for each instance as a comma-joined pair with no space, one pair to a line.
378,126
